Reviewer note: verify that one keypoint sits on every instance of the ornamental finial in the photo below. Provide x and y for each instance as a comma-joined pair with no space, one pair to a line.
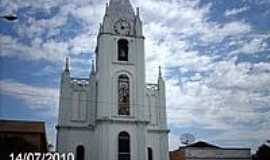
138,11
67,64
93,67
159,72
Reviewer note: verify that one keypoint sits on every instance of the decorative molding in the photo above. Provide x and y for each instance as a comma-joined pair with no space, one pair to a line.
90,127
78,121
123,63
117,35
159,130
122,120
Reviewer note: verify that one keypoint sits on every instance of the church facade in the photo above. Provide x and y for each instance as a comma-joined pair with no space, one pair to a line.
114,114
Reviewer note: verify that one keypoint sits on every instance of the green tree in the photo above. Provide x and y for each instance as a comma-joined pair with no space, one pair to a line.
263,152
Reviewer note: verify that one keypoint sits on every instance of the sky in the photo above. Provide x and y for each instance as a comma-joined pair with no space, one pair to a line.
214,56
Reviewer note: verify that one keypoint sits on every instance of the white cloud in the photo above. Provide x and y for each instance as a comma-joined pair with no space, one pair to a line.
230,99
50,50
37,98
236,11
82,43
226,98
32,29
169,45
255,45
217,33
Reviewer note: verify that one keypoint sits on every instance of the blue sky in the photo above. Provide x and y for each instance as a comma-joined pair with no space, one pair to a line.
214,55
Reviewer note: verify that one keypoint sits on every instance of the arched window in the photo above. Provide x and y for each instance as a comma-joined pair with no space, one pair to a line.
123,146
123,50
80,153
123,95
150,153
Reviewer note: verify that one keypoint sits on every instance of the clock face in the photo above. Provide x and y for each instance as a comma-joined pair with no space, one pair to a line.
122,27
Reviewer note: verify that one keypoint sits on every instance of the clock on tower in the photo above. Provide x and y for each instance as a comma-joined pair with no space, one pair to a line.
122,26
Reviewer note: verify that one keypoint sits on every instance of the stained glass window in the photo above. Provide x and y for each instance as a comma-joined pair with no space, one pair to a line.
123,95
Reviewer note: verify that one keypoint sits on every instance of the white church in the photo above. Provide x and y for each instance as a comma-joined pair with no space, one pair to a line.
114,114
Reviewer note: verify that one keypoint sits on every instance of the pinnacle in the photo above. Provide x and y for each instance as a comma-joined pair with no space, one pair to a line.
159,72
67,65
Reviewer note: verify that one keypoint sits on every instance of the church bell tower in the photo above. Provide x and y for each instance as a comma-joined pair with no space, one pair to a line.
120,62
114,114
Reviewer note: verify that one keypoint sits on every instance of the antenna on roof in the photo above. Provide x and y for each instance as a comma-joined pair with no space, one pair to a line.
187,138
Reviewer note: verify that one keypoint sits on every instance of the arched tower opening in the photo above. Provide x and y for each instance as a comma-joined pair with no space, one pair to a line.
80,153
123,146
123,50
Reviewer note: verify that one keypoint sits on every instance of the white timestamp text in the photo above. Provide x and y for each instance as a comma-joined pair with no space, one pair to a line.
42,156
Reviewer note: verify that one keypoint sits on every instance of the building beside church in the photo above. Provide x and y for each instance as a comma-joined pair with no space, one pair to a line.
205,151
17,136
114,114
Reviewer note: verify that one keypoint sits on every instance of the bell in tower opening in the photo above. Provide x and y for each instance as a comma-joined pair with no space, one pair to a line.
123,50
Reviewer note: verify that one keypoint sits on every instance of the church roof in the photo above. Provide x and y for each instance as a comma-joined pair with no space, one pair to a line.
22,126
202,144
121,8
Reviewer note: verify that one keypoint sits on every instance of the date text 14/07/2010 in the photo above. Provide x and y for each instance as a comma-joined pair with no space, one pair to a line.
42,156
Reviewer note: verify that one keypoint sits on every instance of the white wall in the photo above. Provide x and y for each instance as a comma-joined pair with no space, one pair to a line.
230,154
